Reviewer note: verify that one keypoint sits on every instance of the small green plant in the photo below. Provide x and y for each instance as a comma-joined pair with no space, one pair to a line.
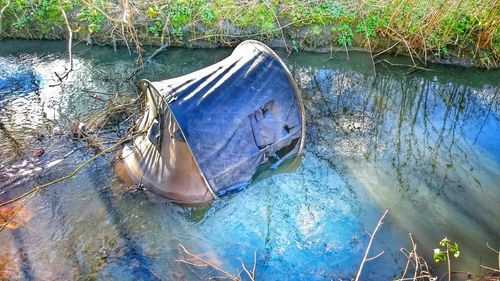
156,29
153,12
441,254
443,51
93,18
179,15
178,33
344,35
208,16
22,22
316,30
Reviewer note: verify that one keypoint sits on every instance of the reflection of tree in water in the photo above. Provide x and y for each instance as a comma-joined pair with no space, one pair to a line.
414,144
418,125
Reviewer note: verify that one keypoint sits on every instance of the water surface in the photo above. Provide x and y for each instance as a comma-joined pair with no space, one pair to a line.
424,145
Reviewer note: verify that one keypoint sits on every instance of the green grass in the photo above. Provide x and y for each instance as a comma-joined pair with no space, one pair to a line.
439,28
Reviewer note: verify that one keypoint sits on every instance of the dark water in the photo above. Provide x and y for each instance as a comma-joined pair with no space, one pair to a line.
424,145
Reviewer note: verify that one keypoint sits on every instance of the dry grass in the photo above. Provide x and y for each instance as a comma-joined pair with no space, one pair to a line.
436,29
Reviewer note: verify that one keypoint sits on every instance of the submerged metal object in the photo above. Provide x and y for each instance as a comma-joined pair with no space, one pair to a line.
210,131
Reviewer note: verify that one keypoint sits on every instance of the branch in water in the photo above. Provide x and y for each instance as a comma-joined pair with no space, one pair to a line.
70,45
372,236
73,173
200,262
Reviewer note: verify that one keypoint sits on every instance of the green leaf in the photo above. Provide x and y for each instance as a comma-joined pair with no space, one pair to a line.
445,242
455,250
439,256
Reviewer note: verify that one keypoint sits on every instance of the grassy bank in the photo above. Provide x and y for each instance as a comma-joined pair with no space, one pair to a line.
438,30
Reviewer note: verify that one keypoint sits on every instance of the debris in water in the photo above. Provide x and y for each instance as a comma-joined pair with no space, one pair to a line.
38,153
79,130
14,215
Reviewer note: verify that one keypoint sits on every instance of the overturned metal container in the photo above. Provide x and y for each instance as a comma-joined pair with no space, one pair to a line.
210,132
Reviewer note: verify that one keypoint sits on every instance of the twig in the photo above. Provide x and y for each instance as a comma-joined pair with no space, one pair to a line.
254,262
110,18
406,43
371,54
420,267
2,11
417,266
245,35
496,251
7,222
279,25
406,65
70,44
449,263
205,262
491,248
386,50
251,274
490,268
72,174
376,256
379,224
148,60
125,21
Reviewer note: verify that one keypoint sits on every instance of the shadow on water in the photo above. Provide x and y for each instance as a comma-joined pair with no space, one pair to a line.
423,145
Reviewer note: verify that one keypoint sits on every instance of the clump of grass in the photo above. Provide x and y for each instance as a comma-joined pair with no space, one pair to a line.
422,29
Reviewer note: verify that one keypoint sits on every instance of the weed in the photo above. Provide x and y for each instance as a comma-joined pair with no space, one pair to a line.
345,34
93,18
461,26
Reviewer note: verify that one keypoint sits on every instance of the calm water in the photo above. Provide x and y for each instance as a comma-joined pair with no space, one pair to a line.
424,145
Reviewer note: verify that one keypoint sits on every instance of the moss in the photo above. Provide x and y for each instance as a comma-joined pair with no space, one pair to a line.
446,28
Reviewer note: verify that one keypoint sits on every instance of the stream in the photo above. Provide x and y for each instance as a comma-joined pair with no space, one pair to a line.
425,145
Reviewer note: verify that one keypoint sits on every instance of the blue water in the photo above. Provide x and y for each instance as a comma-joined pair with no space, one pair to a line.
424,145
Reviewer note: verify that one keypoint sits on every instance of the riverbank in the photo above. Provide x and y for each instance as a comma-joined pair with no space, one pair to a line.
463,32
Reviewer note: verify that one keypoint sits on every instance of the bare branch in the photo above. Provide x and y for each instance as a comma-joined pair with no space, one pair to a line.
73,173
2,11
203,261
379,224
70,45
110,18
490,268
13,216
491,248
421,270
376,256
279,25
